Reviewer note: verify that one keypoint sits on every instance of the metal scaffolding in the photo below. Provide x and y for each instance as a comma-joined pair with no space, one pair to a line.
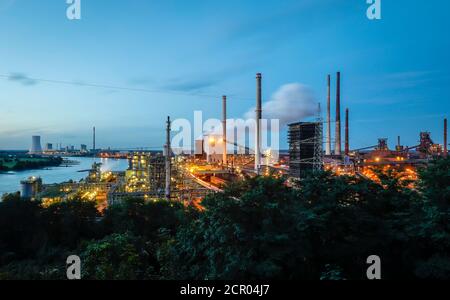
305,148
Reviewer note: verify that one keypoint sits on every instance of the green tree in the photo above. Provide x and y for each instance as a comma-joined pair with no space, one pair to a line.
118,256
20,228
145,219
432,231
68,223
326,229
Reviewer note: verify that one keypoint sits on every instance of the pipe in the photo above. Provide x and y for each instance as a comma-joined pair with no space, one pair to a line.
224,128
258,122
337,148
328,139
347,136
445,138
167,160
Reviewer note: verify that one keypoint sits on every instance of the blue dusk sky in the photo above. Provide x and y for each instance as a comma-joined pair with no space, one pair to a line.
128,64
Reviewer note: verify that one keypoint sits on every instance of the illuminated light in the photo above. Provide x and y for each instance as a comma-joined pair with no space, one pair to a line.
377,159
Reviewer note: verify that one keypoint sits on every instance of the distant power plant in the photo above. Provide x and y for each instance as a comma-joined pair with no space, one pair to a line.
58,148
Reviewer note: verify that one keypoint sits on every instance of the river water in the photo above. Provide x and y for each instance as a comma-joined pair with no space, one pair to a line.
10,182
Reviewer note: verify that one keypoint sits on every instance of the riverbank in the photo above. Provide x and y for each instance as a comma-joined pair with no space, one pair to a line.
9,164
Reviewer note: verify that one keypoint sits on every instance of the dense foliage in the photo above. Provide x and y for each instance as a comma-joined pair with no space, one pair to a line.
30,163
257,229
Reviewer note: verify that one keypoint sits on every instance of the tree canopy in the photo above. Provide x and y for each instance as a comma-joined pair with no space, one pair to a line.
259,228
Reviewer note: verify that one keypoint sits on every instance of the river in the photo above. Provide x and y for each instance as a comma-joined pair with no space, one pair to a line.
10,182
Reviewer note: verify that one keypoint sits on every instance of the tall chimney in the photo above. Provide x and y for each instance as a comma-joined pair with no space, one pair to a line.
347,136
93,140
328,139
445,138
337,148
224,128
167,160
258,122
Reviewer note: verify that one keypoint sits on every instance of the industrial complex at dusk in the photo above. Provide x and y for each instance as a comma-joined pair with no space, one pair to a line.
218,161
225,148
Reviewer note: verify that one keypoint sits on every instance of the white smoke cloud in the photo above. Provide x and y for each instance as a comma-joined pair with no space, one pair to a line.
292,102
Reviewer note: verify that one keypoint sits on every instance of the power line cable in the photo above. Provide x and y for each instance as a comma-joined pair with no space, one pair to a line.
123,88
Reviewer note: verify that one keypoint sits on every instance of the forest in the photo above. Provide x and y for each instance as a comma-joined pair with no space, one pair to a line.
258,229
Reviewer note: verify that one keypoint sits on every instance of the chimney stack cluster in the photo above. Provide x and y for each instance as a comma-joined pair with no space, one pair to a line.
338,132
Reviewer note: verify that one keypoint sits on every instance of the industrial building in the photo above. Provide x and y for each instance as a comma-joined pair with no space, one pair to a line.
189,177
305,148
146,172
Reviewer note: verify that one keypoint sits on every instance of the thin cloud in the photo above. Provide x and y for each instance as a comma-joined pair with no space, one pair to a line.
22,79
194,85
409,79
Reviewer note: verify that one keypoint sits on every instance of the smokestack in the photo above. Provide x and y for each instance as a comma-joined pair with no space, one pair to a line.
258,122
337,148
328,139
445,138
93,139
347,136
167,161
399,142
224,128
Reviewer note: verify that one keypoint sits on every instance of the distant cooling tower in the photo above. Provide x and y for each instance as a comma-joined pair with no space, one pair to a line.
36,145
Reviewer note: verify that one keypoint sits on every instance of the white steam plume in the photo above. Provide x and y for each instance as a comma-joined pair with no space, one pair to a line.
292,102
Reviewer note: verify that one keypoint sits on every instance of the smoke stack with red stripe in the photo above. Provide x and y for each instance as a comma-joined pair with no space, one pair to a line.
328,139
337,147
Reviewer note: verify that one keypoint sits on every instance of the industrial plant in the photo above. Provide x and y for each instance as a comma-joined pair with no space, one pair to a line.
189,177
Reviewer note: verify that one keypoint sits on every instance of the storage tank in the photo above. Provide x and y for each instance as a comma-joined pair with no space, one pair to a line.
30,187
